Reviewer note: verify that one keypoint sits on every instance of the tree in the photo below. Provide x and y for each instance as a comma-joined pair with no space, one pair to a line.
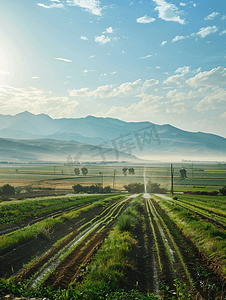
84,171
131,171
7,189
77,171
135,187
154,187
124,170
223,191
183,173
78,188
107,189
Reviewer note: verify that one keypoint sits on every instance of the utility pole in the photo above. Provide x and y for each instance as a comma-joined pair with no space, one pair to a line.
115,172
172,179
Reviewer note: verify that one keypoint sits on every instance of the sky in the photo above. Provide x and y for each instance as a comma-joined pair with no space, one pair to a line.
148,60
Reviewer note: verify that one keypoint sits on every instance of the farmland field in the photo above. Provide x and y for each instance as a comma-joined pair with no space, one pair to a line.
61,177
146,246
115,246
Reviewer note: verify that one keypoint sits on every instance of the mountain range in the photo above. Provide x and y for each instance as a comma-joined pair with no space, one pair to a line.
26,136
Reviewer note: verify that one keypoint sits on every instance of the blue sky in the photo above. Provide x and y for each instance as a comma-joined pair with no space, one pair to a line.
158,60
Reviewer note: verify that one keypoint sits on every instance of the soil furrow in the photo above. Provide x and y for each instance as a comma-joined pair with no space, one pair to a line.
207,283
107,216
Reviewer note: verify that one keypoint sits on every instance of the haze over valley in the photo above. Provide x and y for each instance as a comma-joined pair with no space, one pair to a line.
28,137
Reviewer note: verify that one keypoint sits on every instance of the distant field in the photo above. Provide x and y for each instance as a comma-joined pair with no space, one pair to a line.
208,176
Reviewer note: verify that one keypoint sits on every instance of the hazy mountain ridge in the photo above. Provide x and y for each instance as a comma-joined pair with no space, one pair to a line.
132,138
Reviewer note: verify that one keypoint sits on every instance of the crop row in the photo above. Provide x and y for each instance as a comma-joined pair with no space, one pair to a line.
66,251
11,212
170,261
206,236
201,211
102,277
42,227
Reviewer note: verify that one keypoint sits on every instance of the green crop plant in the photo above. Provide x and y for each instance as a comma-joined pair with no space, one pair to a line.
31,262
11,212
175,247
155,237
108,263
125,223
207,237
182,290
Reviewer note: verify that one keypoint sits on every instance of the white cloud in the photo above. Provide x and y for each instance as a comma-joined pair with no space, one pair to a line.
127,89
182,4
84,38
63,59
102,39
223,115
92,56
211,16
222,32
223,17
149,105
177,38
145,19
204,31
183,70
213,78
178,79
196,70
178,108
214,100
168,11
36,101
87,71
2,72
54,5
124,90
149,55
109,30
176,95
163,43
34,77
92,6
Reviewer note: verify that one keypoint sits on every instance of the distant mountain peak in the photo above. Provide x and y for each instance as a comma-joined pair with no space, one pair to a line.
25,113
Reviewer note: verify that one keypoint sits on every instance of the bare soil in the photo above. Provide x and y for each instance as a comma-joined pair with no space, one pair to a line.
139,273
12,259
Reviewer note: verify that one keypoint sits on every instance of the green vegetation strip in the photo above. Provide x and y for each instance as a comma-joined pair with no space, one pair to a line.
155,237
11,212
202,211
207,237
175,246
42,227
103,275
52,263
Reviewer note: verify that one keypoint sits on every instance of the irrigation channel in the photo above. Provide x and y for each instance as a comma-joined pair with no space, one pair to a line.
179,263
166,263
62,264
